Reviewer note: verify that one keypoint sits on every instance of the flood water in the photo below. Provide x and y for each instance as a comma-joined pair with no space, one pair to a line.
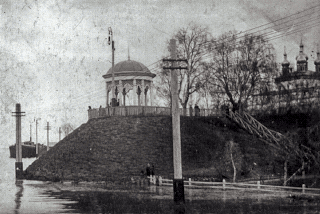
47,197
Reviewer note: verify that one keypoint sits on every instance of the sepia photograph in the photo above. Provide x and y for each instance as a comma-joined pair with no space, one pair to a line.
159,106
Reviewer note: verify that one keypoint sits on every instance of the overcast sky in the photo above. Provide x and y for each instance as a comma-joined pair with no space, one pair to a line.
53,53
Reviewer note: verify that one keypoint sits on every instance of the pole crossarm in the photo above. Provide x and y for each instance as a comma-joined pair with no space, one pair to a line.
175,60
18,114
175,67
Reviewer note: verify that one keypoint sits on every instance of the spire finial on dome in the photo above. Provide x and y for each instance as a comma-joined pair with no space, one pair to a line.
301,45
128,52
285,53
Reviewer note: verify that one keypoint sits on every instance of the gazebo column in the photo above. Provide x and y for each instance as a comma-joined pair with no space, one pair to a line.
143,100
145,95
116,92
124,93
150,93
134,96
139,93
107,90
120,92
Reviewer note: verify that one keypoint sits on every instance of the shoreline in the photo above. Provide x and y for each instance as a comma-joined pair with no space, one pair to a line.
166,191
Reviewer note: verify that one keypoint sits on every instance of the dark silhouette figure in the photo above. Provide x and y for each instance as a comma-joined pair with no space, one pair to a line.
89,107
152,170
100,111
196,111
148,170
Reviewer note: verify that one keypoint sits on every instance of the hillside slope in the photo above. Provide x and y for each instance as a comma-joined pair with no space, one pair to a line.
117,148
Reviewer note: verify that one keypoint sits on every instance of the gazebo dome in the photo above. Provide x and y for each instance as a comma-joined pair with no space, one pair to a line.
129,67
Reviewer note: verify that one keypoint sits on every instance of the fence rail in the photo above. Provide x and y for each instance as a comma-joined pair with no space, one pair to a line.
236,186
147,111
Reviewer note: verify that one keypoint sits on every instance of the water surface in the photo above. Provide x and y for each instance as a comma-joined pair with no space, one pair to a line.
48,197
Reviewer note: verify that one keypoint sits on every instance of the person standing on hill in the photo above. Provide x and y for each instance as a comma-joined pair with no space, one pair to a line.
152,170
196,111
148,170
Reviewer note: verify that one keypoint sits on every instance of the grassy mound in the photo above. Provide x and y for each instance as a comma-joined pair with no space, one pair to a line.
117,148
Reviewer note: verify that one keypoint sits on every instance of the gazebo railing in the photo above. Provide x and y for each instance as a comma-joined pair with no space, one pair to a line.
146,111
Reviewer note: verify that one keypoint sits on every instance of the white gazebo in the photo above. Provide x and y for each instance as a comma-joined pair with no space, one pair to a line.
133,84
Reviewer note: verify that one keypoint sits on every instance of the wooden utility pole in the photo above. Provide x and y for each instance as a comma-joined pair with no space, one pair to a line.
47,128
178,186
59,134
113,100
18,165
37,144
30,132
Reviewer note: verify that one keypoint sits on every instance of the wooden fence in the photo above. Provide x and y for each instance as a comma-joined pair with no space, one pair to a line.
158,180
147,111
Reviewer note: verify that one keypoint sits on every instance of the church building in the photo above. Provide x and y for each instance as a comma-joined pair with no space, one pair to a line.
300,87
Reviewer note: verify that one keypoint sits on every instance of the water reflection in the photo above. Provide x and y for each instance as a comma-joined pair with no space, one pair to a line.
47,197
160,200
18,196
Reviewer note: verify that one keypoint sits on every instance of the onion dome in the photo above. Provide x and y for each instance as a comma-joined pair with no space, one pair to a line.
317,61
302,57
285,61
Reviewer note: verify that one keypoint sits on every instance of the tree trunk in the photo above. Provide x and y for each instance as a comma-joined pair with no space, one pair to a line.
285,172
235,107
184,109
233,164
303,172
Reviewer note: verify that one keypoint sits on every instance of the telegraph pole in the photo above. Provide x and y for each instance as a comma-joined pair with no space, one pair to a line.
59,134
47,128
110,41
30,132
37,145
178,186
18,165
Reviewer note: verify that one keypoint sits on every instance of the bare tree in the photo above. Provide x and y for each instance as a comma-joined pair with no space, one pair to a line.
163,86
67,128
191,46
239,66
233,154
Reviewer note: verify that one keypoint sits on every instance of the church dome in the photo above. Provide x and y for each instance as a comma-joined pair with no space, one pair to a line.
128,68
302,57
285,61
317,61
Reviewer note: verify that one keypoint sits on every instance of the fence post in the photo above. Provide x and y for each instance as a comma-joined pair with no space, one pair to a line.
189,181
223,183
160,180
303,188
258,183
